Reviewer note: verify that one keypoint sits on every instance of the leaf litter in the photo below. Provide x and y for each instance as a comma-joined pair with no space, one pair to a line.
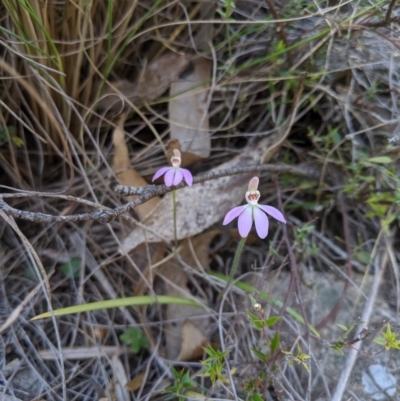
355,87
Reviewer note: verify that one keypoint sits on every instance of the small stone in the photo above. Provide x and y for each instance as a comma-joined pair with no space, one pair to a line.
378,383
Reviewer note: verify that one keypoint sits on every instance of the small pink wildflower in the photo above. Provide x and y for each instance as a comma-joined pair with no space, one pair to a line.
253,211
175,174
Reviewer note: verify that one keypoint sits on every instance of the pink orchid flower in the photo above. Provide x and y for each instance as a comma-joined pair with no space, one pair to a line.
253,211
175,174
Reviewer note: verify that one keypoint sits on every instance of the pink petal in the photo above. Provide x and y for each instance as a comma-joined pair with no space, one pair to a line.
245,221
187,175
169,177
232,214
261,222
160,172
178,176
275,213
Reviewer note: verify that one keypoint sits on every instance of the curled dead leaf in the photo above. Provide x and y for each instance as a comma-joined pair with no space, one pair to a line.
154,79
186,329
136,382
193,341
126,174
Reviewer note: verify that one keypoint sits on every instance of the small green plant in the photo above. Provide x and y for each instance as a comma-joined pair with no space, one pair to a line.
300,358
214,365
388,339
260,323
7,134
303,240
344,340
254,386
135,339
72,268
226,10
183,383
326,142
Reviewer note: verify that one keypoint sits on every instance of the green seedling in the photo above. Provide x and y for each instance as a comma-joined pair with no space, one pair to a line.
388,339
182,386
72,268
300,358
135,339
214,365
259,324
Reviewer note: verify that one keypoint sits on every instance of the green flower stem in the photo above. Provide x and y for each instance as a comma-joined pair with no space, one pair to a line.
236,259
175,230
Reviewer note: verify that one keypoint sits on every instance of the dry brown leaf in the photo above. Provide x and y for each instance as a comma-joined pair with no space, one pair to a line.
188,109
145,282
193,341
198,207
150,84
186,327
136,382
126,174
156,252
177,315
194,251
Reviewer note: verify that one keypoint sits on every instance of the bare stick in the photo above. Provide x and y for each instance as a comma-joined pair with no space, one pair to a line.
146,193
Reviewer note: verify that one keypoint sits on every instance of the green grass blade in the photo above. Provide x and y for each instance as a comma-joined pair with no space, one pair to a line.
27,43
56,58
121,302
267,297
110,63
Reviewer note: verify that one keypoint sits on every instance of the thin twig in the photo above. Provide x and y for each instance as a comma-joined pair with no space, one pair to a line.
146,193
379,264
389,11
388,18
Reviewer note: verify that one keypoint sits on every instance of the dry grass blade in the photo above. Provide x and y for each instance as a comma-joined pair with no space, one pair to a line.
80,353
18,310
